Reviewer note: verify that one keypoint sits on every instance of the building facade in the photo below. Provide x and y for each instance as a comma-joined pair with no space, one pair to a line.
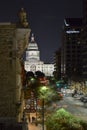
13,41
71,49
57,64
32,60
84,40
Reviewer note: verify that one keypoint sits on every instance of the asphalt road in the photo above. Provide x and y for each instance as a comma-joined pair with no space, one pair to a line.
74,106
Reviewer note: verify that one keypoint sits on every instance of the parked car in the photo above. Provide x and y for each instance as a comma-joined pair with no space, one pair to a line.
66,92
74,93
78,96
85,104
60,95
83,98
57,96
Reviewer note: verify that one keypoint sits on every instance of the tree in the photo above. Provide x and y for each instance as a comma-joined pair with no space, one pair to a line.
39,74
63,120
29,74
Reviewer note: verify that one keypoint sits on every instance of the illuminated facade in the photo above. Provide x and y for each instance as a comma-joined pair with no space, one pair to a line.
32,61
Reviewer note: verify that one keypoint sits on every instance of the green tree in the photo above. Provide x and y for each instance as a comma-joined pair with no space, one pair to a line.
63,120
39,74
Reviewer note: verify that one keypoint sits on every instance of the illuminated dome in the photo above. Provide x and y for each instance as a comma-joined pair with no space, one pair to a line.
32,52
32,44
33,62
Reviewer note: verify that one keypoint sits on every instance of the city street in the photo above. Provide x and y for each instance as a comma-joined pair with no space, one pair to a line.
74,106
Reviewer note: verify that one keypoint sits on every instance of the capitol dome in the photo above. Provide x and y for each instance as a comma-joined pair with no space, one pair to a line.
32,45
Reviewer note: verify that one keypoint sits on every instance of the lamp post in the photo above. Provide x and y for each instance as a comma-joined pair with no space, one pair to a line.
43,114
43,91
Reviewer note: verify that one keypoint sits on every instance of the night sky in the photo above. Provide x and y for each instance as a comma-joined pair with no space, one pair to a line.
45,19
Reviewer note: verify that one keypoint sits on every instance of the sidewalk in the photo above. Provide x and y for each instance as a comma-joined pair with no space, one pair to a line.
34,127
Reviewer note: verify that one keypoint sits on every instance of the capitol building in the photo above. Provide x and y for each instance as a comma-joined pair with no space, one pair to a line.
32,60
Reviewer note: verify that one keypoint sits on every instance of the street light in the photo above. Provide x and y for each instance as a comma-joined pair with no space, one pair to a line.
43,114
43,91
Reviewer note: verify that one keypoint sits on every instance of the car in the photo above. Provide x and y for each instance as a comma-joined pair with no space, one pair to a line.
57,96
63,92
83,98
85,104
60,95
78,96
74,92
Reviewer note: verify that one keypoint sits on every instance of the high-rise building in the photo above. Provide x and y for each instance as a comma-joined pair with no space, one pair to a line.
71,49
84,40
13,41
32,60
57,64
